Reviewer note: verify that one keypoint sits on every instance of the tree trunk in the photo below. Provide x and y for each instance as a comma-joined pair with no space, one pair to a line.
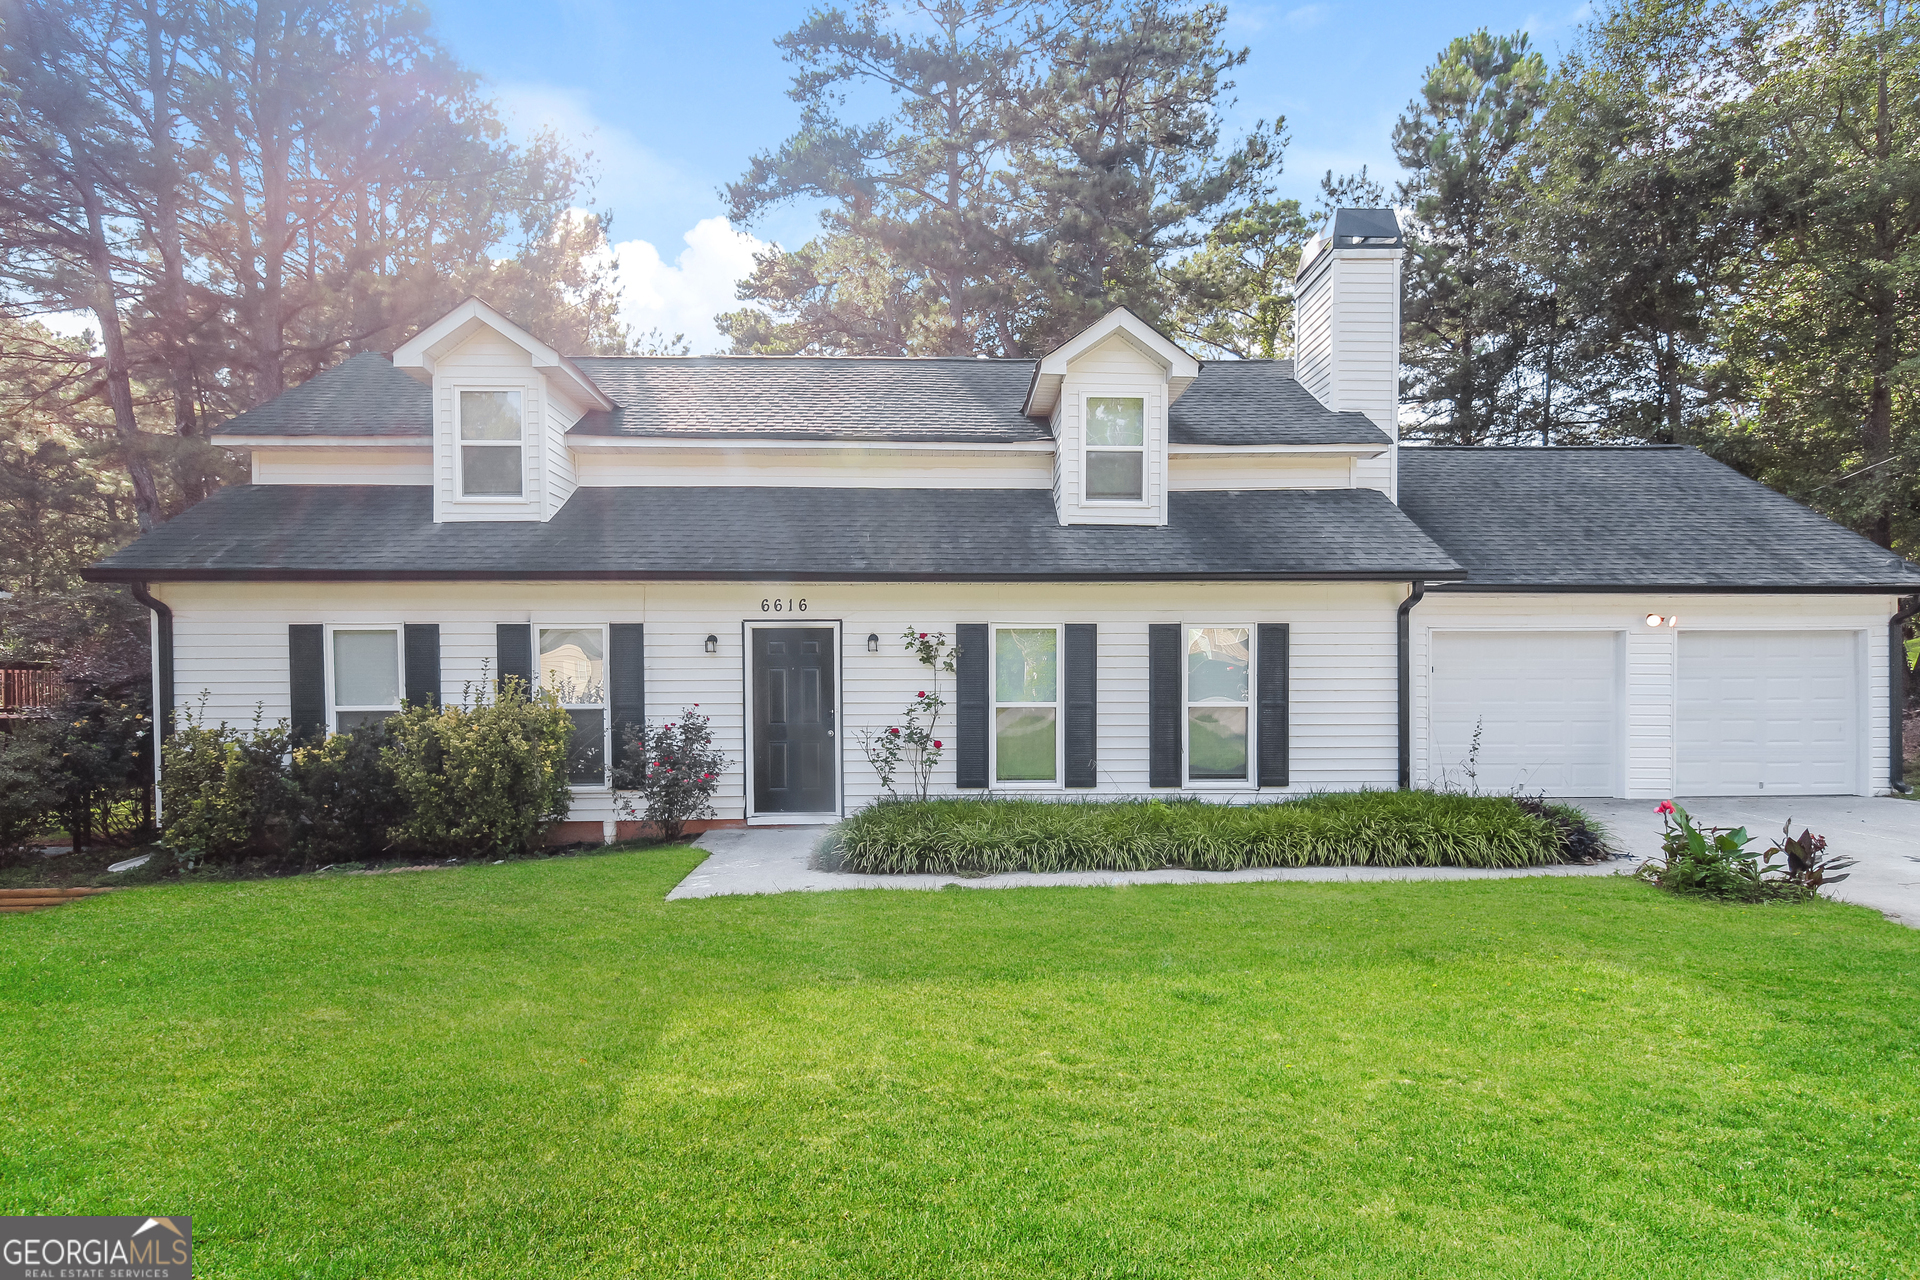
119,379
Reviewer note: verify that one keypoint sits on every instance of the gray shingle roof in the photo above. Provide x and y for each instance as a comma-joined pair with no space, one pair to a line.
378,531
363,395
813,397
1633,518
1252,402
819,398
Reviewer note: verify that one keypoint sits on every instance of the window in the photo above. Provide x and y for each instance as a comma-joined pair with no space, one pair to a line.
1026,695
490,445
1116,448
366,675
1219,667
573,667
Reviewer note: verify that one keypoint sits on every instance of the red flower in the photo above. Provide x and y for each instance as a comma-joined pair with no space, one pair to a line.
936,743
921,694
1665,807
923,635
893,731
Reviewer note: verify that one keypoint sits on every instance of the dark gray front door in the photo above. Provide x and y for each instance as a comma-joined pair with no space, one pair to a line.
794,753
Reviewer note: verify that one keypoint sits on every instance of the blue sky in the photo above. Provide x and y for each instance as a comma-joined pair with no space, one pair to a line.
674,99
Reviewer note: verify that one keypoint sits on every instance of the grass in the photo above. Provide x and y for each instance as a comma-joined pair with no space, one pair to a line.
543,1069
984,836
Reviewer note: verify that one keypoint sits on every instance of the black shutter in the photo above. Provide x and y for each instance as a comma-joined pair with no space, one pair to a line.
513,653
1270,695
1083,704
970,706
423,664
307,680
1163,704
626,679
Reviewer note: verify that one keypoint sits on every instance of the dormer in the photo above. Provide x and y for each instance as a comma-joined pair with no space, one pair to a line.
1104,394
502,403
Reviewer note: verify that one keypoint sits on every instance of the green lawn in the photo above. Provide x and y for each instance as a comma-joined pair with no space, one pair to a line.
542,1069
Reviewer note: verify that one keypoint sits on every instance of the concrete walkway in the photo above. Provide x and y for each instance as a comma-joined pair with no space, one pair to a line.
782,860
1882,834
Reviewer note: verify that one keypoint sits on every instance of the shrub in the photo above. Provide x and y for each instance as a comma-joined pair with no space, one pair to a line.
349,799
1366,828
914,744
101,749
675,768
483,778
1714,862
225,791
29,790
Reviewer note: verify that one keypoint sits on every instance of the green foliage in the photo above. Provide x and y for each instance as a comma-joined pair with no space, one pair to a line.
1468,312
675,768
1714,862
1038,164
224,791
484,777
349,798
29,789
1365,828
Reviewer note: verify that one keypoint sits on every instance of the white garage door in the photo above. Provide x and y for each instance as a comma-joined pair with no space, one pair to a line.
1546,704
1767,713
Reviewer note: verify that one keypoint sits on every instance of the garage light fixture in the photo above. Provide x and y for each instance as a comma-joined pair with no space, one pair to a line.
1655,620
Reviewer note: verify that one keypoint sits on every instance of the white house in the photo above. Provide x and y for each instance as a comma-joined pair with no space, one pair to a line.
1223,579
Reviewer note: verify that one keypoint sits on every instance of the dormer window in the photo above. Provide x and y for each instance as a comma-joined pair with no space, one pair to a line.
492,458
1116,448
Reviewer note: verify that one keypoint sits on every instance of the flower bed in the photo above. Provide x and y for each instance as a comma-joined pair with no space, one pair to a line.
1365,828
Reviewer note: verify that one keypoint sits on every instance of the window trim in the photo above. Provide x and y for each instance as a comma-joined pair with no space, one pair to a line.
1251,782
1087,449
1059,705
400,669
604,706
460,494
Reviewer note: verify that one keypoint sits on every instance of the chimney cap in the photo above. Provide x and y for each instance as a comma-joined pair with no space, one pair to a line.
1366,229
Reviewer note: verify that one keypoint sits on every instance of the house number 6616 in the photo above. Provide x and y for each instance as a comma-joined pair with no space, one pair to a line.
783,606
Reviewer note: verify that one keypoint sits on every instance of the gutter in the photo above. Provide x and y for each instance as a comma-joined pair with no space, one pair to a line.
163,664
1897,694
1406,682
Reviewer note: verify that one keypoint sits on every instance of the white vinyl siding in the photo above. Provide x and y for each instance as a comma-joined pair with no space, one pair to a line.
610,466
487,362
1347,343
231,641
1113,368
350,465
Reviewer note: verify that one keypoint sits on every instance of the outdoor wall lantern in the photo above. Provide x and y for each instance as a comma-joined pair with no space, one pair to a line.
873,642
713,644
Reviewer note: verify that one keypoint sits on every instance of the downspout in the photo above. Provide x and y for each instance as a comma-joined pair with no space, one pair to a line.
1897,694
163,663
162,682
1406,683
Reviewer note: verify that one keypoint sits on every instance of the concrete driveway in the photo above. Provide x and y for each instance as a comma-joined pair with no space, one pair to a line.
1882,834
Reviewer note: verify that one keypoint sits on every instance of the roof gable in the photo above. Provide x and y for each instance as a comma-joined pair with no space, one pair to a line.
444,335
1181,369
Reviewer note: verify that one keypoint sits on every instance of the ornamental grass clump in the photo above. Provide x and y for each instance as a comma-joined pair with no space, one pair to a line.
988,836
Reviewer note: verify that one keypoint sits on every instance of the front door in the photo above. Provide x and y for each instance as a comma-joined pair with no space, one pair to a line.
794,748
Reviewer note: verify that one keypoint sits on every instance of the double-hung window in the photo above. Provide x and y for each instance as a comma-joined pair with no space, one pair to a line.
1026,712
366,675
1116,449
492,445
573,667
1219,680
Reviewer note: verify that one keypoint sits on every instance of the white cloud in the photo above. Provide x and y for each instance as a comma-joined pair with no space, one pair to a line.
685,295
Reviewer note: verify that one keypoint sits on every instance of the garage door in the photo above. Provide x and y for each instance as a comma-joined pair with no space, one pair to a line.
1546,704
1767,713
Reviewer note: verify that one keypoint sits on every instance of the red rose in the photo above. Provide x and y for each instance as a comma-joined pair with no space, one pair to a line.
923,635
921,694
936,742
893,731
